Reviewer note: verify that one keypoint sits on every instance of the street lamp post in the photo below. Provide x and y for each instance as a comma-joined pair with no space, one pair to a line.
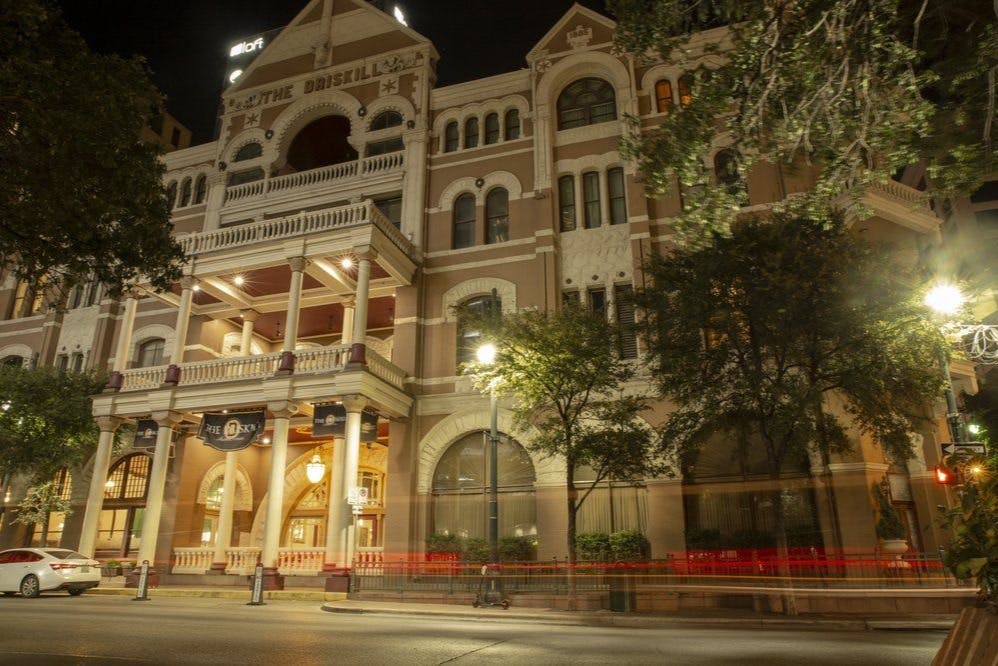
946,299
486,355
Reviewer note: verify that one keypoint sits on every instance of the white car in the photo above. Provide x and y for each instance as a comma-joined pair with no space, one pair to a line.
31,571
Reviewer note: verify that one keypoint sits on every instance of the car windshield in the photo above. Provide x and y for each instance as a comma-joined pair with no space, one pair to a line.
66,554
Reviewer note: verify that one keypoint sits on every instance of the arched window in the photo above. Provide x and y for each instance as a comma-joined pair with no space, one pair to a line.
451,137
119,527
586,102
468,339
200,188
727,170
492,128
464,221
386,119
321,143
685,90
150,353
171,194
12,361
663,95
471,133
497,216
185,193
512,124
459,484
248,152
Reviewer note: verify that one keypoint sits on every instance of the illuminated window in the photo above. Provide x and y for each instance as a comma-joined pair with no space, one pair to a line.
492,128
451,137
512,124
663,95
464,221
685,90
586,102
471,133
497,216
468,339
129,478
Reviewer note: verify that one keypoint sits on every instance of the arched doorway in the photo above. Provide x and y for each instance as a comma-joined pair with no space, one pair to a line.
320,143
460,488
119,530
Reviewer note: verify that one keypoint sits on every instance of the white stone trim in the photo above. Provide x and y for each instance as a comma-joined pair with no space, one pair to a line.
548,471
150,332
22,350
479,110
244,487
478,287
312,107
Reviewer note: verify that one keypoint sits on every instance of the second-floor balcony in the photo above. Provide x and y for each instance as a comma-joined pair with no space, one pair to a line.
315,181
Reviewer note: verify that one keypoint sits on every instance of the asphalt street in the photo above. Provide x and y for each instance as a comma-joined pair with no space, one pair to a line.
58,629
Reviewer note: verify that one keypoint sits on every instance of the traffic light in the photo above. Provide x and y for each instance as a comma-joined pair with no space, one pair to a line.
946,476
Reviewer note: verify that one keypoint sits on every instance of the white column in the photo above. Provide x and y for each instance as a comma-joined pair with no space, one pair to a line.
351,457
157,485
223,535
273,517
246,341
183,319
294,306
346,335
124,342
338,513
364,258
95,498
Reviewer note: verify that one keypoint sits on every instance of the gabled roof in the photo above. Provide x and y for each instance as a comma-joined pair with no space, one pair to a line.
575,16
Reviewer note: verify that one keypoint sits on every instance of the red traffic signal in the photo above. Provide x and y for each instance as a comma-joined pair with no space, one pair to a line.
945,476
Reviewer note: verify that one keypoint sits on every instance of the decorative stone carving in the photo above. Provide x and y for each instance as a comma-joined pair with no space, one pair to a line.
580,37
389,86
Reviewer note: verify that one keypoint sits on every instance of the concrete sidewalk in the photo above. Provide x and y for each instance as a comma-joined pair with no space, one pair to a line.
337,602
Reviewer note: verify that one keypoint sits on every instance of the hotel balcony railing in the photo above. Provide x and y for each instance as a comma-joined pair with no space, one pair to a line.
291,226
378,164
307,361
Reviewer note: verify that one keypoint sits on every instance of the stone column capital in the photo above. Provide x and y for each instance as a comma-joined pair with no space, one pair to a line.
365,252
354,404
349,302
282,409
108,423
297,264
249,315
167,419
188,282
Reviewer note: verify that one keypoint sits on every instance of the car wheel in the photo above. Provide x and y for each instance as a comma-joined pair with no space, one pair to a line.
30,587
75,591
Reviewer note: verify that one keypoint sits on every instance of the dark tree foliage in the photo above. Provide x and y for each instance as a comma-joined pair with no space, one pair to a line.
853,89
81,196
567,382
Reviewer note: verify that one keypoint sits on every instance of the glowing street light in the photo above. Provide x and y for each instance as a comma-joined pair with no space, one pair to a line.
944,298
315,469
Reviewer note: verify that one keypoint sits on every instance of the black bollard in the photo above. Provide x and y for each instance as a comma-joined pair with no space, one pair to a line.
257,598
142,593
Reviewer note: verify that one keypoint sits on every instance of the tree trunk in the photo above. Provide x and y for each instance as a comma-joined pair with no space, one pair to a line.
787,598
45,531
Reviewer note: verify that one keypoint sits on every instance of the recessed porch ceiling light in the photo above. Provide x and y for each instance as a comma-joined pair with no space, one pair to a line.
196,287
266,440
347,262
239,279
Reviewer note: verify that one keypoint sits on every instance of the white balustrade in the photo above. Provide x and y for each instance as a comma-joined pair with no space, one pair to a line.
143,379
901,191
300,561
191,560
223,369
369,561
241,560
322,359
313,177
385,370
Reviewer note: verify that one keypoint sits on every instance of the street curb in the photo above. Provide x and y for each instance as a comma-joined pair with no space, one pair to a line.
274,595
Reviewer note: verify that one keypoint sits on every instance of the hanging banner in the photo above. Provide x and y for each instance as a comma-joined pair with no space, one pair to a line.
231,432
369,426
329,420
145,435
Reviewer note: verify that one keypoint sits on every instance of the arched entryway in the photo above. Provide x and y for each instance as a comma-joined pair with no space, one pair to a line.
321,143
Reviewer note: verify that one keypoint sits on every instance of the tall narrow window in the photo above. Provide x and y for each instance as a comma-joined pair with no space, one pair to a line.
77,362
618,198
663,95
497,216
471,133
17,304
590,199
512,124
171,194
93,293
597,300
624,305
685,90
392,209
492,128
451,135
62,362
185,193
75,297
464,221
200,188
566,202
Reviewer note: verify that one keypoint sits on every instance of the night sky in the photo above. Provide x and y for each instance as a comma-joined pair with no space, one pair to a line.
186,41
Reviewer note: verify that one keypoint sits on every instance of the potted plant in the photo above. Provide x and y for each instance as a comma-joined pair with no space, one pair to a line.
889,527
110,568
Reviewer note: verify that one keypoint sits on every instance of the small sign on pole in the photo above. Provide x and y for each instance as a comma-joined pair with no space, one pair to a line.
357,496
142,594
257,598
949,448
